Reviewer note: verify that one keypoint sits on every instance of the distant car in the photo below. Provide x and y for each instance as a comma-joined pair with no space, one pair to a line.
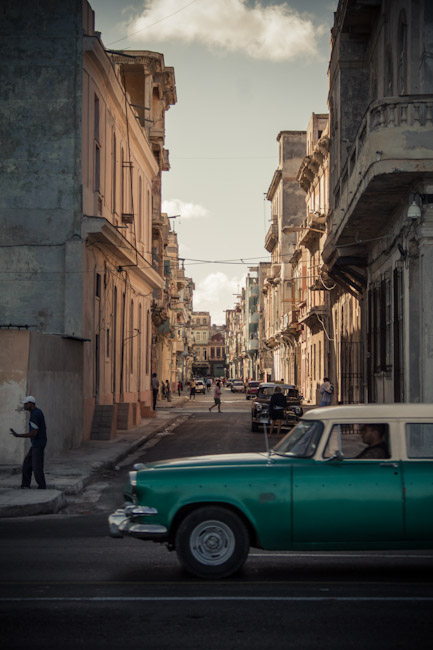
260,406
324,486
252,388
200,386
237,386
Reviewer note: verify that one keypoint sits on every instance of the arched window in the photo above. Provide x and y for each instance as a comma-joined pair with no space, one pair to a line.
402,53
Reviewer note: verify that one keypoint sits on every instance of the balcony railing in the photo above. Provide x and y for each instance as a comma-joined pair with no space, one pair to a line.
393,138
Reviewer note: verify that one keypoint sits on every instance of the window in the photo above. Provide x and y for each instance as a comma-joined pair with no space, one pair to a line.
114,173
108,344
388,75
122,180
97,183
367,441
398,365
96,117
131,343
402,54
302,440
98,285
419,440
218,353
212,353
140,210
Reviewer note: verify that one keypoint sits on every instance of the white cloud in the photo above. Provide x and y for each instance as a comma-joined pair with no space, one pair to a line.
186,210
216,293
271,32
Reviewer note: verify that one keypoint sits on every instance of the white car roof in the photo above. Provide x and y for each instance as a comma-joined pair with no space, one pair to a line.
371,412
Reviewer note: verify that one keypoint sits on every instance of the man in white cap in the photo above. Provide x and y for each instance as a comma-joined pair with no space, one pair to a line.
34,460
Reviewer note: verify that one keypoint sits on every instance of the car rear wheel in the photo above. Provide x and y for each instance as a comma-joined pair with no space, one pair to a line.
212,542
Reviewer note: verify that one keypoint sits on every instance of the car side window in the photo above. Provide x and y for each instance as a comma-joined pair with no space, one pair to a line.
361,441
419,440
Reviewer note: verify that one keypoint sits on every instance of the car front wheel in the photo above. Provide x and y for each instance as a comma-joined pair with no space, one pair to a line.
212,542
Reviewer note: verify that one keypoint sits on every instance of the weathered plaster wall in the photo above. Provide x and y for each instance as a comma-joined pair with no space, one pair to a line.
40,78
55,379
49,368
14,357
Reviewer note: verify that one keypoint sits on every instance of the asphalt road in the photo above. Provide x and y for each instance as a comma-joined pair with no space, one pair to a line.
64,583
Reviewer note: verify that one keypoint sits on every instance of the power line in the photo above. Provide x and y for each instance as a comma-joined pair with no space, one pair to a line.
152,24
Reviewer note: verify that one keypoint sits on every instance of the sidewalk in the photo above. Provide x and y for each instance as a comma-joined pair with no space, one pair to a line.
71,472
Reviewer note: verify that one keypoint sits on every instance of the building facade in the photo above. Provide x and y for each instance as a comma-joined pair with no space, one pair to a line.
287,212
201,331
78,194
379,246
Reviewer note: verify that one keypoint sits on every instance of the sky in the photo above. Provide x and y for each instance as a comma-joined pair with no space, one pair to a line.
245,70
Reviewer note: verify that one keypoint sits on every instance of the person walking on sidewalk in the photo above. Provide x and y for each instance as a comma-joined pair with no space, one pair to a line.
326,390
217,397
155,388
168,390
192,386
34,460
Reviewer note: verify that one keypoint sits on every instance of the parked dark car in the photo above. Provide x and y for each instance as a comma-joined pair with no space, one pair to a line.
260,406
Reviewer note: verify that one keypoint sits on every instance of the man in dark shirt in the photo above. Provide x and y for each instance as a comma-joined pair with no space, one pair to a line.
373,435
34,460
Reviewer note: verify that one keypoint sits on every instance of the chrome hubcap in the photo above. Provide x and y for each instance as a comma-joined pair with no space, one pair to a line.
212,542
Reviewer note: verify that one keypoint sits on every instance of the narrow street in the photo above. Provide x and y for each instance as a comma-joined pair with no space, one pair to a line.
66,583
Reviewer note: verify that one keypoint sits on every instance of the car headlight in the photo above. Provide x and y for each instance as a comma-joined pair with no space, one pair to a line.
133,478
258,407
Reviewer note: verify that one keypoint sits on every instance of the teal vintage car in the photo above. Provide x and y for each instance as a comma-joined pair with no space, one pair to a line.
345,477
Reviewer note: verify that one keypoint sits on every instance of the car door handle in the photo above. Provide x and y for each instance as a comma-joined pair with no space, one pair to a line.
394,465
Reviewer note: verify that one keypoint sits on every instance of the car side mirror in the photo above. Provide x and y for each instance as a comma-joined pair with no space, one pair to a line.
337,455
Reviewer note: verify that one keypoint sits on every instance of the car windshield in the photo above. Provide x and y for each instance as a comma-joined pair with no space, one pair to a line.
253,384
288,391
302,440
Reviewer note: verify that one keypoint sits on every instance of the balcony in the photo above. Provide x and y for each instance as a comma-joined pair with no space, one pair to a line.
311,231
312,314
392,148
271,238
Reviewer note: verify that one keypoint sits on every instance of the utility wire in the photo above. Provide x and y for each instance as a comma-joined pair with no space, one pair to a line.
152,24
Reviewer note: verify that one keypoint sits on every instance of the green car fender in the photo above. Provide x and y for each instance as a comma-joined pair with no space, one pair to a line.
260,493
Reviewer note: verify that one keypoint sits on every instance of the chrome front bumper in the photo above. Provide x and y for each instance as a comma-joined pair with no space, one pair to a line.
263,418
124,521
